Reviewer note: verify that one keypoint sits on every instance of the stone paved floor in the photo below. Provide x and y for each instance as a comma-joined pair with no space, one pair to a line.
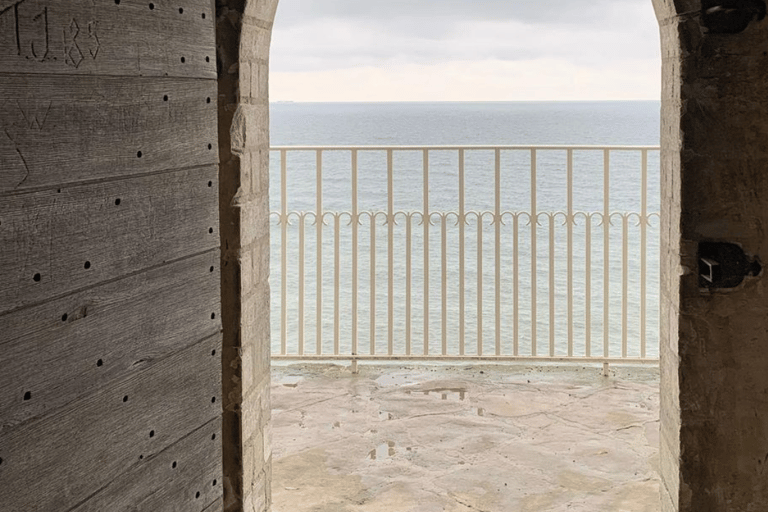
464,439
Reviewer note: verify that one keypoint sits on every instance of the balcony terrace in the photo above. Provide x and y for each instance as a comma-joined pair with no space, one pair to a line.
488,289
465,438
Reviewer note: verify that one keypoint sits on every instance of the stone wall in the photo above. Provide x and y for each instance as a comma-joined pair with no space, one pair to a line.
715,190
243,37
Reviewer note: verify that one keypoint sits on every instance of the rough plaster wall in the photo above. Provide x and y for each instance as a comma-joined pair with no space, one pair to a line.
243,37
714,358
110,326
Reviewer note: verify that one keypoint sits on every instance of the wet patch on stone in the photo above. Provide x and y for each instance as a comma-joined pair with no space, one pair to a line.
382,451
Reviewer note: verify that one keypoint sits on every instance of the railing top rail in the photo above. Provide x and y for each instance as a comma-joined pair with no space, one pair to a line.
543,147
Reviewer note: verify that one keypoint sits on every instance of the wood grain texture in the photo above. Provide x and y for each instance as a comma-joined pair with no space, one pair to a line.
53,243
57,463
61,129
104,37
68,348
216,506
185,477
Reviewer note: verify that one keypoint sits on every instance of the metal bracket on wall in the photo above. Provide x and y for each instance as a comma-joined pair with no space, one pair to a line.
724,265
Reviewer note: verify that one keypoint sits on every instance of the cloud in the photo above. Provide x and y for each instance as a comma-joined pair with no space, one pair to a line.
587,38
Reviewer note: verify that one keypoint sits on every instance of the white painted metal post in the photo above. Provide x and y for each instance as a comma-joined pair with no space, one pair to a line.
497,224
643,250
516,283
479,284
373,285
606,253
283,253
462,264
390,254
570,222
319,221
301,283
355,225
534,226
336,281
551,285
425,184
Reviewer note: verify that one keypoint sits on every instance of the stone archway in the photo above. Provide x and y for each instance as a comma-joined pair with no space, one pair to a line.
714,416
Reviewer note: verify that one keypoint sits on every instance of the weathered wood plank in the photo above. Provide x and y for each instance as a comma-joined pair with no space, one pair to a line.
126,38
106,434
58,130
54,242
68,348
185,477
216,506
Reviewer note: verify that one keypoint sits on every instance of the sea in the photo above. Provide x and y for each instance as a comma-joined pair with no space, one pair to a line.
532,286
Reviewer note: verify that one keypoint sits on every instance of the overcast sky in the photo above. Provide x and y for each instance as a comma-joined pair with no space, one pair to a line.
464,50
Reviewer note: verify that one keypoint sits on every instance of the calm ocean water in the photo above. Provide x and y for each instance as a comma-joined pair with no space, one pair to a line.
534,123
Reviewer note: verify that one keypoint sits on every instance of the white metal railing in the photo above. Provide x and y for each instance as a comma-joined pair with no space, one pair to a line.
462,224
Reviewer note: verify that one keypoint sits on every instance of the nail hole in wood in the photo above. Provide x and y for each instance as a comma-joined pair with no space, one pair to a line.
210,146
183,60
99,362
210,183
28,395
87,265
64,317
213,400
207,100
141,457
37,278
117,2
203,15
173,465
213,316
214,483
58,191
211,269
213,437
213,352
151,433
125,398
117,202
197,494
138,154
165,98
1,460
207,59
151,6
210,230
181,10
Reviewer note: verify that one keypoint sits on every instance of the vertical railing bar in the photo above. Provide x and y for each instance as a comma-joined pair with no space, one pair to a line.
462,269
606,253
408,266
516,284
372,274
588,286
497,222
570,223
319,220
301,284
479,284
551,285
444,287
624,283
336,282
534,224
425,184
355,224
283,252
643,251
390,254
